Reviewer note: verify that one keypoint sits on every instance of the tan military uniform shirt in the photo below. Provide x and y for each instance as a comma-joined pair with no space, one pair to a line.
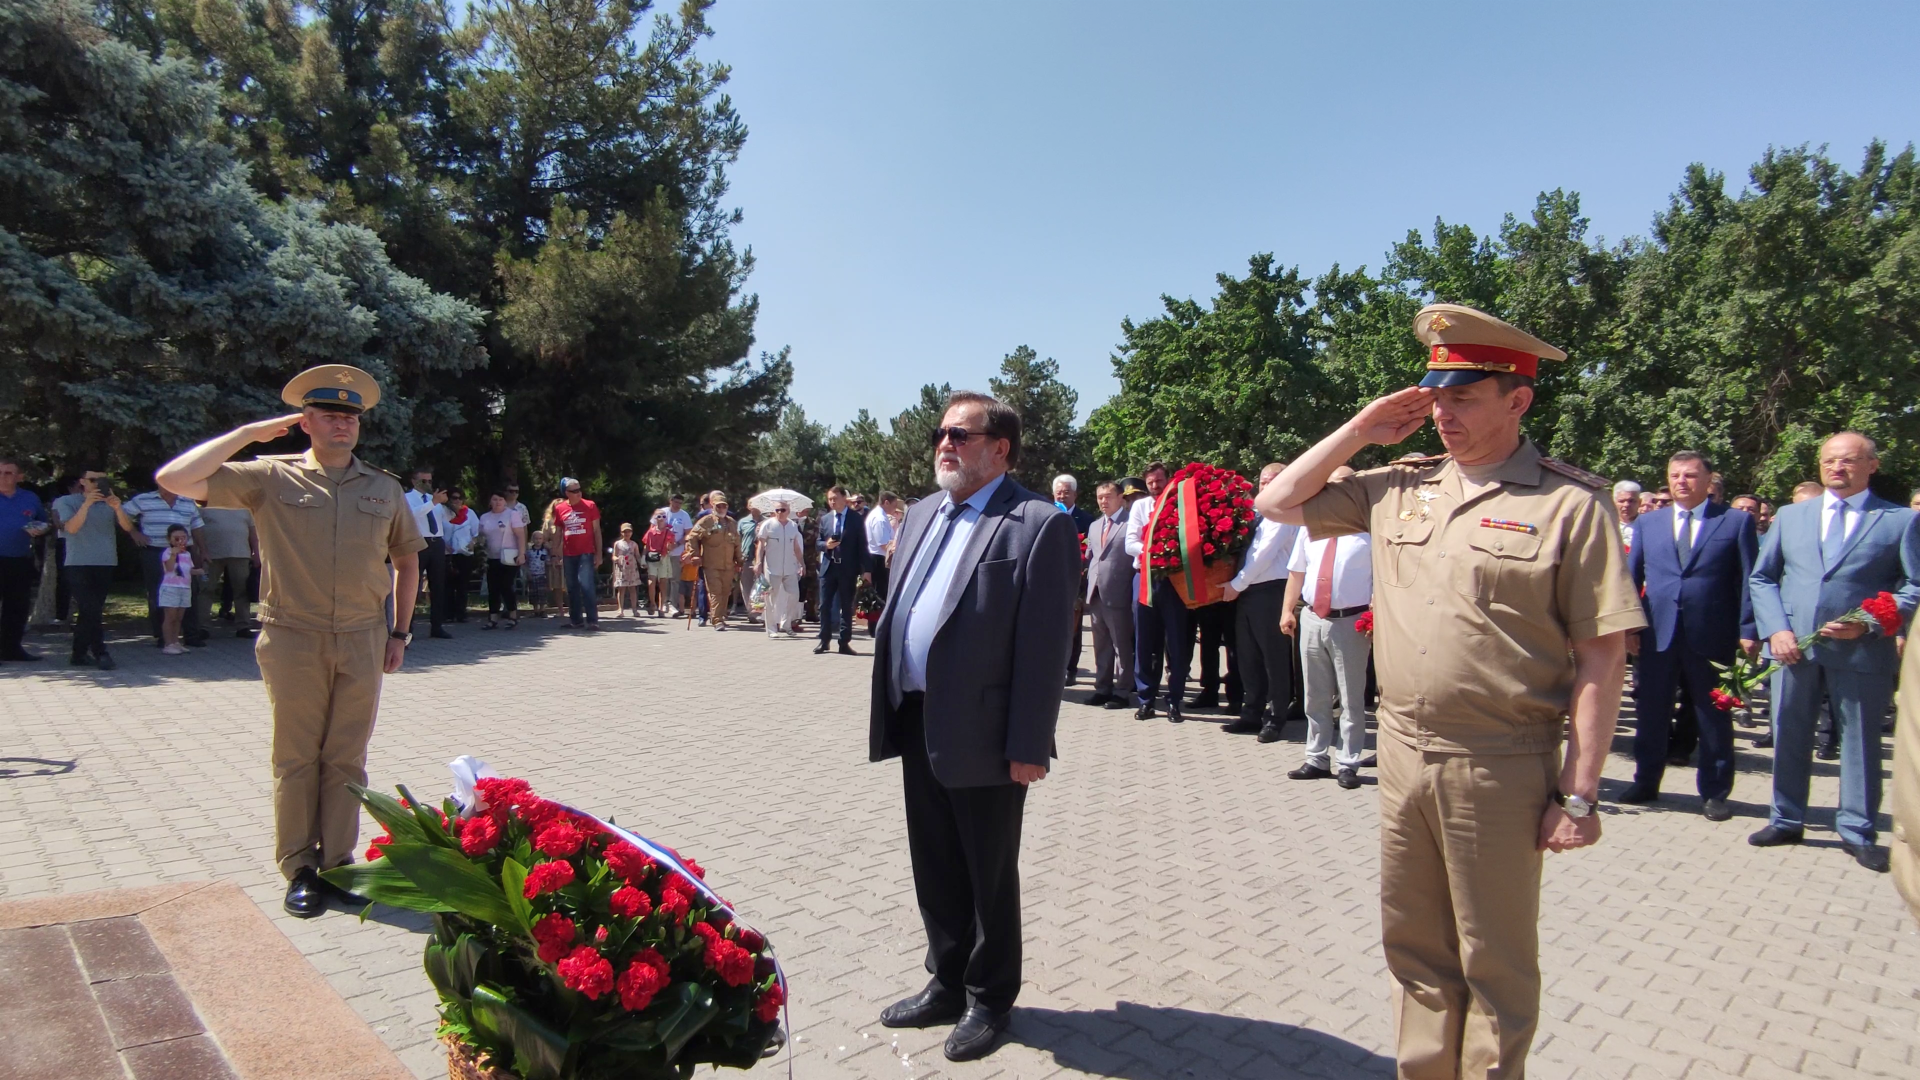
323,545
1478,599
715,542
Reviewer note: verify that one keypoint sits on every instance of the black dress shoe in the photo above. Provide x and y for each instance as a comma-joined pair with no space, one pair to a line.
306,894
976,1033
1098,700
820,649
847,650
245,632
925,1009
19,654
1174,715
1827,752
1347,778
1774,836
1243,727
1234,704
1763,742
1270,733
1716,810
1637,793
1072,678
1144,712
443,634
1309,772
1116,702
1871,856
1204,701
1371,761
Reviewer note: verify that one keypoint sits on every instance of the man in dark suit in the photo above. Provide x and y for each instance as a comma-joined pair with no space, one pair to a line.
1691,561
966,692
1109,599
1821,559
1066,493
843,562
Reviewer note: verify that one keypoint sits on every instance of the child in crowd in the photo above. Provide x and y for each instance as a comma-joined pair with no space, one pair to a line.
537,573
556,567
626,573
176,588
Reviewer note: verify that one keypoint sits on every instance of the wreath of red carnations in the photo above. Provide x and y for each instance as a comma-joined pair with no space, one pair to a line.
1225,511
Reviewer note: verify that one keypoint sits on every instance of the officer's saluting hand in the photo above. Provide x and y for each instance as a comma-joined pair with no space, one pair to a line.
329,526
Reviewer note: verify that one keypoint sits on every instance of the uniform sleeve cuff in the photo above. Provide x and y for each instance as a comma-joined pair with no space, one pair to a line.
1611,623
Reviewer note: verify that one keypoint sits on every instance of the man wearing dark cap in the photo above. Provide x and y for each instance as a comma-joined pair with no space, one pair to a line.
1501,606
328,525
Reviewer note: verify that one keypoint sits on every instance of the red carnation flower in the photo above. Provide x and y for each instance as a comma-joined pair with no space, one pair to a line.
630,903
1724,701
645,976
1885,611
766,1007
376,844
724,958
750,940
479,837
498,794
555,935
538,812
629,862
691,865
675,905
586,971
546,877
559,839
1364,623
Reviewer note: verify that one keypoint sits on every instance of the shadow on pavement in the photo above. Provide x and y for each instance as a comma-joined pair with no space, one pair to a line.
1189,1044
16,767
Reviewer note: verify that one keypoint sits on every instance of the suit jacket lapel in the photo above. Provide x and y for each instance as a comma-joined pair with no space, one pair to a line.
983,530
1715,515
1870,514
913,529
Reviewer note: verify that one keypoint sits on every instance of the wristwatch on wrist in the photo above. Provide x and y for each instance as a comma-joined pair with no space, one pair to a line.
1574,805
404,637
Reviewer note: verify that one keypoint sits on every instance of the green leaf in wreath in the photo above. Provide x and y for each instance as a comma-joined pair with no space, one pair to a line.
385,809
694,1007
463,963
513,880
382,882
454,880
539,1052
438,972
429,819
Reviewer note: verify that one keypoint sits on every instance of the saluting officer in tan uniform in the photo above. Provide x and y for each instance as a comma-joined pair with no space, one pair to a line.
1501,604
1905,849
328,525
714,541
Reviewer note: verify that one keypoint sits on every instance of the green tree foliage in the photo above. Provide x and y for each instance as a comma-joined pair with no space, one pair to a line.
148,297
474,144
797,454
1050,440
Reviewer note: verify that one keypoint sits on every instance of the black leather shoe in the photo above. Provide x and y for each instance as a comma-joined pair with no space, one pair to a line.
1827,752
1371,761
1098,700
1234,704
1763,742
1347,778
1871,856
248,632
1204,701
442,634
1637,793
925,1009
1243,727
19,654
1716,810
847,650
1309,772
820,649
1774,836
1116,702
976,1033
1073,679
1174,715
1144,712
306,895
1270,733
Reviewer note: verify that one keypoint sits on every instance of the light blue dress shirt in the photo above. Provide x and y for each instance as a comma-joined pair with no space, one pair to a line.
923,617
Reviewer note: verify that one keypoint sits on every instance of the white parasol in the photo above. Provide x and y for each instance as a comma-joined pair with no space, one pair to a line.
766,501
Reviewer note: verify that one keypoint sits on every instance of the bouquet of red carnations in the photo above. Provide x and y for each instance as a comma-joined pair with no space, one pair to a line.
1880,612
565,948
1202,526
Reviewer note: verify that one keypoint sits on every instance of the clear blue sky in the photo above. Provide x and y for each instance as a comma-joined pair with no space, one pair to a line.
928,185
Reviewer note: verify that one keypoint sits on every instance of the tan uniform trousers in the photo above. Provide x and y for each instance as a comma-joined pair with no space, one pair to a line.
720,586
1460,906
325,689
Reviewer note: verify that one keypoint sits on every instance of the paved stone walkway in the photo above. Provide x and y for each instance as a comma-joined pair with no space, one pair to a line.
1190,912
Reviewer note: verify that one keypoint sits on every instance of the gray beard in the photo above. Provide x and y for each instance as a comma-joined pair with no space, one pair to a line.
959,479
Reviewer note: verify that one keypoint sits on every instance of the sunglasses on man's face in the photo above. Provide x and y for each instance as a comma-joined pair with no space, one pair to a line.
959,435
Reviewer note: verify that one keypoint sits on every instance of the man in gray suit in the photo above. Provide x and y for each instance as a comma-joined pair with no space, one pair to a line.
966,692
1110,599
1819,561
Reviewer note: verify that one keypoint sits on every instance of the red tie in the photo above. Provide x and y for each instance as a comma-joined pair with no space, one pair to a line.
1323,582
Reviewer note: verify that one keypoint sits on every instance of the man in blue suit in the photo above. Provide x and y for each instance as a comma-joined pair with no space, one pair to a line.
1691,561
1821,559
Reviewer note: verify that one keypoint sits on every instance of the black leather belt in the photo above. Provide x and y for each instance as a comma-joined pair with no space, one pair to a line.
1344,612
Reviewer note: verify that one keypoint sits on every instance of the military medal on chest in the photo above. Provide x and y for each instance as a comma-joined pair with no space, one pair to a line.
1426,495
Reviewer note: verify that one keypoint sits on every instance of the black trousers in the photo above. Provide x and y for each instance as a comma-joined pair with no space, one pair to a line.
836,601
965,844
1265,652
1658,674
1216,623
62,592
1161,638
433,568
16,592
88,586
501,580
1079,619
459,584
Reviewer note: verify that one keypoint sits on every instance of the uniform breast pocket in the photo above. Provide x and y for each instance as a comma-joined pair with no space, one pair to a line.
1401,551
375,519
994,589
1499,567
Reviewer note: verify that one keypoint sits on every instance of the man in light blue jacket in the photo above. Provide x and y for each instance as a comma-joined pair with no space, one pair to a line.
1819,561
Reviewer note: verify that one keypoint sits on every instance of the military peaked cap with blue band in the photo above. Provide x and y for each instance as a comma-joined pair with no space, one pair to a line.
332,386
1465,345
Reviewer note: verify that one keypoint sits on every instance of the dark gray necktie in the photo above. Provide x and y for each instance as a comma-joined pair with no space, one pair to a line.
1685,539
1836,537
909,594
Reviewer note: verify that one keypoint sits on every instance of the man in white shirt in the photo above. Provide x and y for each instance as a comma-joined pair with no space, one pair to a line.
1626,503
880,540
777,559
1333,579
1162,635
430,514
1265,656
681,523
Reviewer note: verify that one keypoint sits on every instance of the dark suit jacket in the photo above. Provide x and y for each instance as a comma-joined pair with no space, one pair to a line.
993,672
1110,568
853,543
1706,597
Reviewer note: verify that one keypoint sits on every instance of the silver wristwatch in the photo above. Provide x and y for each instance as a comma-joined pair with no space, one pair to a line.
1574,805
405,638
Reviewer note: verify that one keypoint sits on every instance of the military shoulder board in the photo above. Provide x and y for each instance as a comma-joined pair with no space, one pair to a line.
1576,473
1419,460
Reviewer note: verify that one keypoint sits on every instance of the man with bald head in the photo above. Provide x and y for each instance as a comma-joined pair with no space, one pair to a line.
1823,556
